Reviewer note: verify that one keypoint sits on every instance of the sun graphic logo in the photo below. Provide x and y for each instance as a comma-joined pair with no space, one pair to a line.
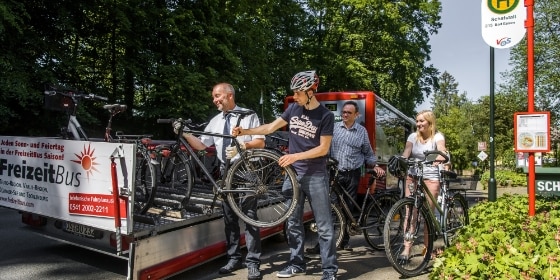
87,160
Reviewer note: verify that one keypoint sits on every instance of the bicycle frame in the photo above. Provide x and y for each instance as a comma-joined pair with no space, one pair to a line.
424,193
76,129
217,185
341,194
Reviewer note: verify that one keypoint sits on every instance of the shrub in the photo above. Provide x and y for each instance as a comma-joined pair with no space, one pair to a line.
505,178
503,242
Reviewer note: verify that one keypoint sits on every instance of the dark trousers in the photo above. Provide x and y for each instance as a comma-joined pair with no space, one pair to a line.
349,180
233,234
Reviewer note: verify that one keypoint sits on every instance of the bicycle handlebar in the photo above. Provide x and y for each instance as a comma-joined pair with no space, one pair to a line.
169,120
431,156
279,139
188,122
76,94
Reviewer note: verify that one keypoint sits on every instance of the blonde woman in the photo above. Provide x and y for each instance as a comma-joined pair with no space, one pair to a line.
426,138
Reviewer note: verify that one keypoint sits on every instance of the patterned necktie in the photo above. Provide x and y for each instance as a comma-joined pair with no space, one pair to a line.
227,141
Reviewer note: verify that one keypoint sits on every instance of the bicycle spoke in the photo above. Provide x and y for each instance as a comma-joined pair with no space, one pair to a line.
408,238
259,177
144,184
374,220
455,218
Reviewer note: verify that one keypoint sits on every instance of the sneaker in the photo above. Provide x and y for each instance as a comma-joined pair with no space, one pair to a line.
289,271
328,275
253,273
345,247
230,267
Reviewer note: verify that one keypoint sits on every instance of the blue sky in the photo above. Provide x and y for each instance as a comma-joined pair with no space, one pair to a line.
459,49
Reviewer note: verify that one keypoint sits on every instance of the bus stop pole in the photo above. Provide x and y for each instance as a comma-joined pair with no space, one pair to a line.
492,179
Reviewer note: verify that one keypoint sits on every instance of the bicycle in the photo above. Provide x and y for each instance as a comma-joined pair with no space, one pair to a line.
178,178
254,177
145,179
412,221
371,217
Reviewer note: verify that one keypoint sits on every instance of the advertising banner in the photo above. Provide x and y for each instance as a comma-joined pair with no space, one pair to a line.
63,179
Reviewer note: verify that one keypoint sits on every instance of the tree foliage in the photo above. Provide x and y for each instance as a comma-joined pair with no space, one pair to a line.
162,57
465,123
546,56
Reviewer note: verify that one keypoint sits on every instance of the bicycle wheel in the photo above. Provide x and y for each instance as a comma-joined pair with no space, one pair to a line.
311,229
455,218
144,183
175,182
406,222
257,178
374,219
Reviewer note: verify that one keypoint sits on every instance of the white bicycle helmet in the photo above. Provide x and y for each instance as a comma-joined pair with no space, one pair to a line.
304,81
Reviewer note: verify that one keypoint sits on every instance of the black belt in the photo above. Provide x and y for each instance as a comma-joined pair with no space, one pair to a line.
348,170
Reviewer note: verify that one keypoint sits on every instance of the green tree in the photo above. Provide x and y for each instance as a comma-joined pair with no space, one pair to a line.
546,57
447,95
161,58
376,45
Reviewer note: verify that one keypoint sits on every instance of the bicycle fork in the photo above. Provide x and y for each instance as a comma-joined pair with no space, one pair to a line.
412,219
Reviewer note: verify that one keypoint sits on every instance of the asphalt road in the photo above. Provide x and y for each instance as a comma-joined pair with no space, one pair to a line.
25,255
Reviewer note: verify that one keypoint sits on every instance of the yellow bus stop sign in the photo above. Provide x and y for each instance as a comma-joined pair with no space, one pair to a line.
503,22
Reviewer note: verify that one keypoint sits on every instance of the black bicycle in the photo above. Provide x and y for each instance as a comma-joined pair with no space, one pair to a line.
371,214
256,177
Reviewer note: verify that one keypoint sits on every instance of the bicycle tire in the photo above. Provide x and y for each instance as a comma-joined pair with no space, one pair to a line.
257,177
420,249
176,179
455,218
144,183
373,221
311,230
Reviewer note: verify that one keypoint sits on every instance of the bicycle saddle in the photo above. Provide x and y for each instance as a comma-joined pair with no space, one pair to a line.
241,113
115,108
448,174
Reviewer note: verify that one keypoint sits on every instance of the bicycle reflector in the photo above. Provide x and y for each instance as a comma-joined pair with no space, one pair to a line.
397,166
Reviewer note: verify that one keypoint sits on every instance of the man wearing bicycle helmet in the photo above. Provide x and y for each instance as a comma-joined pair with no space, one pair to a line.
223,95
351,148
310,133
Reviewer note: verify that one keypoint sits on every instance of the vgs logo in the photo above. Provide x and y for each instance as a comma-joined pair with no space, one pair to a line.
504,41
502,6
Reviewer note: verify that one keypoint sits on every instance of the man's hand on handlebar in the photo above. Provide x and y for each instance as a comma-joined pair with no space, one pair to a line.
178,125
236,131
379,171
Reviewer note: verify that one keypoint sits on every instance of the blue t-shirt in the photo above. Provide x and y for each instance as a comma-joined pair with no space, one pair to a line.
306,128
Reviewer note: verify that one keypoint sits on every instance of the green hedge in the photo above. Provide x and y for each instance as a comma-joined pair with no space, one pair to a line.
503,242
505,178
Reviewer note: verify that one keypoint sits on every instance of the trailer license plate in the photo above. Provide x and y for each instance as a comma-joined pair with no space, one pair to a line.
79,230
